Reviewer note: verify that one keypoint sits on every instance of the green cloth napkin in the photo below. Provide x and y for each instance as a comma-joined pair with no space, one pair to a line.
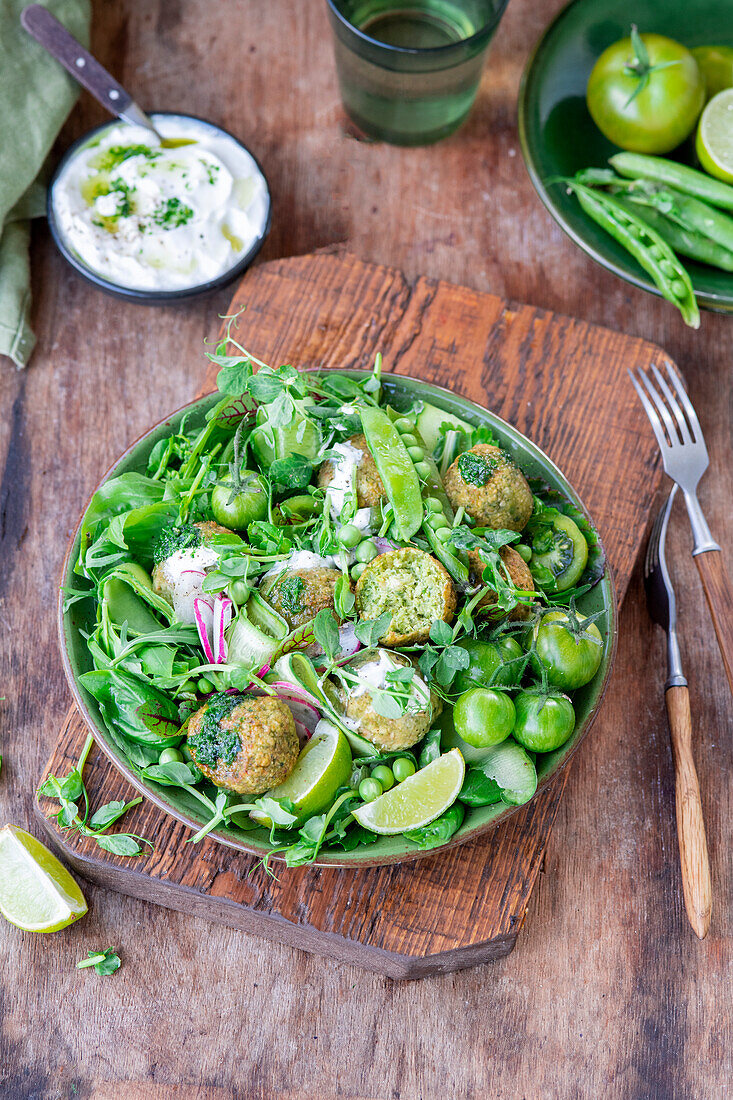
36,95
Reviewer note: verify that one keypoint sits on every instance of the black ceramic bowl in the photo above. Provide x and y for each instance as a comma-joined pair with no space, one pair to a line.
151,297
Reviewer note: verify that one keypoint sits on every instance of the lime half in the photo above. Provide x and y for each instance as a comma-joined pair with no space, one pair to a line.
418,800
714,142
36,891
323,766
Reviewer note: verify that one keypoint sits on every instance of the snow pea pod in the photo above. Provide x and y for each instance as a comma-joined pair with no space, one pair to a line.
683,239
689,180
649,250
396,469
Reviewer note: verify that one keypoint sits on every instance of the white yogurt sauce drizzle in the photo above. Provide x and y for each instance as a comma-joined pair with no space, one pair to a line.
149,217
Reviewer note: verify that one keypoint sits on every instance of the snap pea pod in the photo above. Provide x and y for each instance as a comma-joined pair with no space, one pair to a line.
689,180
684,241
396,469
455,561
646,246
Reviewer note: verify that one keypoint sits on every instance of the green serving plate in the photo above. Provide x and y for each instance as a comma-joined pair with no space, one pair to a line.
80,618
559,137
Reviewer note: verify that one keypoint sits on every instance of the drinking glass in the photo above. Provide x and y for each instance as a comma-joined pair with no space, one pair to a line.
409,69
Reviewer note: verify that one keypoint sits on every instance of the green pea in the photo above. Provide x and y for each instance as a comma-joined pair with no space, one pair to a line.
357,570
523,550
205,686
383,776
422,469
656,252
443,534
188,688
403,425
668,268
239,592
432,504
410,441
170,756
436,521
678,288
366,551
369,789
350,536
416,453
402,769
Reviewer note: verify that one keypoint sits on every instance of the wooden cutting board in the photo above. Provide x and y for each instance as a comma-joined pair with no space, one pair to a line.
560,381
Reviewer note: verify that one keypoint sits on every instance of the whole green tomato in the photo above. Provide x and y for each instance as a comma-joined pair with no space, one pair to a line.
488,661
484,717
645,93
249,505
544,721
570,660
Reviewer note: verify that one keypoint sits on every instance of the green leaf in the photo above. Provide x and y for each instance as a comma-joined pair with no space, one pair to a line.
441,633
326,633
119,844
478,789
430,748
293,472
176,773
343,598
106,814
452,660
369,631
234,375
281,812
439,831
104,962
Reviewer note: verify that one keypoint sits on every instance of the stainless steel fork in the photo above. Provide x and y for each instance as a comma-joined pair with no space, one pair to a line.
685,459
694,860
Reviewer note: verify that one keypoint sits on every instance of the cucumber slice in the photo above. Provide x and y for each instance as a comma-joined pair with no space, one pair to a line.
263,616
507,770
248,645
428,423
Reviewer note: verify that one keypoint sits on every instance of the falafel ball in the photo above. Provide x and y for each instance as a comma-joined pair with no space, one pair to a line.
391,734
491,487
413,587
247,745
369,487
183,559
299,594
519,573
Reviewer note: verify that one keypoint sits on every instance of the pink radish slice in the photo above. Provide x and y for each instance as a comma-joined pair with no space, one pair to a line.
223,610
304,734
195,572
384,544
204,614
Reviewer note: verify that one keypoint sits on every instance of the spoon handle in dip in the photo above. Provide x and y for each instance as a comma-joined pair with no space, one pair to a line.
84,68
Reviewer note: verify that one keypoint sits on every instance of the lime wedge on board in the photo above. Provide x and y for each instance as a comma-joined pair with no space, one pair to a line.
416,801
36,891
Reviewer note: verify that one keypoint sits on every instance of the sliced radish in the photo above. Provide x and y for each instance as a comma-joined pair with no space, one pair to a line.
223,611
204,615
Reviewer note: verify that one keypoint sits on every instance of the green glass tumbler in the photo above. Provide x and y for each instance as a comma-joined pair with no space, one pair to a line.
409,70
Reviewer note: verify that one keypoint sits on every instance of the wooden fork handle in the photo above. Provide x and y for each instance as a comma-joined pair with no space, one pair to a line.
690,825
719,594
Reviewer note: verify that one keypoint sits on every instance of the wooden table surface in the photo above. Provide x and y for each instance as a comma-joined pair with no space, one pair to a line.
608,993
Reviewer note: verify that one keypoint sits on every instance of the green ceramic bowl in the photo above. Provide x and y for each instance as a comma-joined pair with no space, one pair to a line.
559,137
80,617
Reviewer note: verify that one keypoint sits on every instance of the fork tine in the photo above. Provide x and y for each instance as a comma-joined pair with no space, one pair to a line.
651,412
662,410
685,402
674,406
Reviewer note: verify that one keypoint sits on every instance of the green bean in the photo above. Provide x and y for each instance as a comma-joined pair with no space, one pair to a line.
689,180
684,241
636,236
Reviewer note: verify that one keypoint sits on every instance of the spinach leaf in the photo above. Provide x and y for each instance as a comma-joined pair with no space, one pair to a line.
133,707
293,472
104,962
479,789
439,831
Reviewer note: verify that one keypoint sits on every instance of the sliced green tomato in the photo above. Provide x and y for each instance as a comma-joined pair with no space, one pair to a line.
37,893
507,774
428,423
416,801
323,766
567,557
396,469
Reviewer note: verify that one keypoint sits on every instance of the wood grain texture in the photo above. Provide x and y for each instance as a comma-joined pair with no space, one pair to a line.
693,844
607,994
464,906
719,594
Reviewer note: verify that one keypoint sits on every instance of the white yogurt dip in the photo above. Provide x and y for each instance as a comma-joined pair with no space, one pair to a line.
149,217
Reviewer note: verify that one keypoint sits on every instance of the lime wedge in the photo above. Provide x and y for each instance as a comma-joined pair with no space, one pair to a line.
36,892
714,142
416,801
323,766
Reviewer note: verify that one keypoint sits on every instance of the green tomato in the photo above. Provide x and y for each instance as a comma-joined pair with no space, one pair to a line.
249,505
645,93
170,756
384,776
570,661
487,663
484,717
369,790
544,722
567,557
299,508
402,769
716,66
